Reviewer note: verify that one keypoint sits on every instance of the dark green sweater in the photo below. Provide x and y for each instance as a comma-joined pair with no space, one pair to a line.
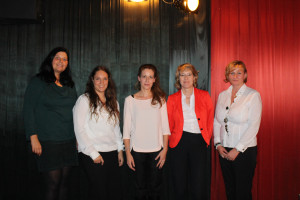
48,111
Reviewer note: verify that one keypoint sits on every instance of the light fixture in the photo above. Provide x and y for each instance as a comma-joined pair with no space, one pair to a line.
185,5
136,0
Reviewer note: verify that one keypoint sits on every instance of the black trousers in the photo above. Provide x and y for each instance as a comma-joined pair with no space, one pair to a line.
190,168
238,174
104,180
148,177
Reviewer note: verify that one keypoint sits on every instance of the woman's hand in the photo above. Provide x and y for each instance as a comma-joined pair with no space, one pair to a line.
99,160
233,153
36,145
222,151
162,158
120,158
130,160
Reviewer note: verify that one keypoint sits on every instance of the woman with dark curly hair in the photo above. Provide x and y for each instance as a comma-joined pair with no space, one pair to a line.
146,132
49,99
96,123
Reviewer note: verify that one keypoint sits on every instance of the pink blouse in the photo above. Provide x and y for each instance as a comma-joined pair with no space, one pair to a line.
145,124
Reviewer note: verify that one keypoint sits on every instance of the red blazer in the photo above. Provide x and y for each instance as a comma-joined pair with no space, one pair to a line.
204,113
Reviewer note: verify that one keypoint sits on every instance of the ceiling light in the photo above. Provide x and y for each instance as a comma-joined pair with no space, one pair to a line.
136,0
185,5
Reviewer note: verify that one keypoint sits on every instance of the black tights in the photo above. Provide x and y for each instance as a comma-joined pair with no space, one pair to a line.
56,184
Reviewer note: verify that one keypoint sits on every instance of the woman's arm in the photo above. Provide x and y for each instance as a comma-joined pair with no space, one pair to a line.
217,133
165,121
31,99
127,119
130,160
120,158
254,118
127,133
163,153
166,132
119,144
36,145
80,115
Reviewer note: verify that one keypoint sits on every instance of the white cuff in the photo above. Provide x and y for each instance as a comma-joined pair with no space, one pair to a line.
240,148
121,148
94,155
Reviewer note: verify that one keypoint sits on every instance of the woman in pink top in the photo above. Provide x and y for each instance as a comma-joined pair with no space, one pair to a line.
145,133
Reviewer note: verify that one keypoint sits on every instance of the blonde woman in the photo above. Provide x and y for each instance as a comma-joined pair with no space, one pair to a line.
236,124
190,113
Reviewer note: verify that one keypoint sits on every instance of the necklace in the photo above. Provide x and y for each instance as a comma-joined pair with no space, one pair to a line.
226,120
58,83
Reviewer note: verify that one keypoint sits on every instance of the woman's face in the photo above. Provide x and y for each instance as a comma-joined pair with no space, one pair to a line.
100,81
186,79
146,79
237,76
60,62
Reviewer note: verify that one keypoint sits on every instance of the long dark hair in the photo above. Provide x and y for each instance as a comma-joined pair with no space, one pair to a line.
159,96
47,73
111,104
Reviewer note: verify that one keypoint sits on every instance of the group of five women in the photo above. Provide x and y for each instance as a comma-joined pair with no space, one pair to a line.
151,125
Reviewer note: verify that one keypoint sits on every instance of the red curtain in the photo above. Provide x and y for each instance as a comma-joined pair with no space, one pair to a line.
265,35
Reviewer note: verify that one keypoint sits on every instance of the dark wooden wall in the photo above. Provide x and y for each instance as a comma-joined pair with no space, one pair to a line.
118,34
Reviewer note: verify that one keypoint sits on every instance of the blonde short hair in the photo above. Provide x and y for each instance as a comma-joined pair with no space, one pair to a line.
231,66
182,68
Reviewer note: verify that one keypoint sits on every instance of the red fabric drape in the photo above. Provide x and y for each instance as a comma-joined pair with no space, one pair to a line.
265,35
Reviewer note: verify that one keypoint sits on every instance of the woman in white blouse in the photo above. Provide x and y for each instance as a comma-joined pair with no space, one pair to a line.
96,122
236,124
145,133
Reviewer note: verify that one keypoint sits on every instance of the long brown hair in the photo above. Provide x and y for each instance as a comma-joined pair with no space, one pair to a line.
111,104
159,96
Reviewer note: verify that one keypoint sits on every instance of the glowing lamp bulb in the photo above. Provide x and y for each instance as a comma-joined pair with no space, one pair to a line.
192,4
136,0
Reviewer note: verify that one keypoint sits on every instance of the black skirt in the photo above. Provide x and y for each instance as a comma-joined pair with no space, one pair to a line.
56,155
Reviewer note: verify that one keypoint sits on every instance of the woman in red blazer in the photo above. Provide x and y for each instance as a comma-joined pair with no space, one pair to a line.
190,113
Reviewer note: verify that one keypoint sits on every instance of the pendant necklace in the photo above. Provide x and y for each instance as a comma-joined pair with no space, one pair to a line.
226,116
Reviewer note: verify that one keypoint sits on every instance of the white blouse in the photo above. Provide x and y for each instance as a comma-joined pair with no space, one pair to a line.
190,123
145,124
244,116
95,134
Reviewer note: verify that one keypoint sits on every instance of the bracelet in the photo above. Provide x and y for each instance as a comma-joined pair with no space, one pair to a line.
218,144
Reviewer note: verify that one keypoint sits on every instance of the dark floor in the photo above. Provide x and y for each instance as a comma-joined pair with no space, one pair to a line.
19,178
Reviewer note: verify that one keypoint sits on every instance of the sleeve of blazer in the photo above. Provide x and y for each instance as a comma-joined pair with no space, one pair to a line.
210,114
